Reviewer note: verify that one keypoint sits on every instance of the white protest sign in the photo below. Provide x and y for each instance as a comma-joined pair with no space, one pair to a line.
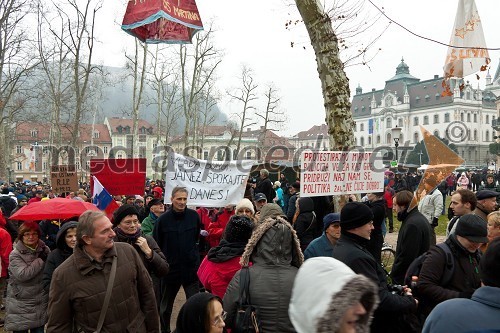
209,183
338,172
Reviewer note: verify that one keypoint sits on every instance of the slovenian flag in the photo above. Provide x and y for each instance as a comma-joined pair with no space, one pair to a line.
102,199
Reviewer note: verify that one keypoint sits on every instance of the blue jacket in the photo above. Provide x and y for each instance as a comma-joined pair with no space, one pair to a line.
319,247
481,313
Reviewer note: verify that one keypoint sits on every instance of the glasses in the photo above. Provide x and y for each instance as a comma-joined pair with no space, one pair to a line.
129,223
220,319
30,234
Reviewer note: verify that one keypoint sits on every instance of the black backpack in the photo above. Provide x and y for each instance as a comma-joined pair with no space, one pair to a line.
416,266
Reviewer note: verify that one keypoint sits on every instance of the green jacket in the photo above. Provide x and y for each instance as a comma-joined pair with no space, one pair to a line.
148,224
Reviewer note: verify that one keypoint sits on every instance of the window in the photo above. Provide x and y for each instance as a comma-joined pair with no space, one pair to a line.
119,142
487,119
355,127
446,117
249,155
487,137
369,140
436,119
468,117
362,141
388,139
378,139
361,127
44,167
19,166
388,101
415,137
426,120
400,122
34,133
467,95
389,122
96,134
475,117
475,135
105,148
415,121
462,118
19,149
119,155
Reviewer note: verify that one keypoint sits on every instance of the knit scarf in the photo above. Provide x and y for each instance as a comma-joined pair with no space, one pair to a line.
226,251
127,238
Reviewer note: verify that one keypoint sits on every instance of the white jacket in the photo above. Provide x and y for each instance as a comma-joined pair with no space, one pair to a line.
431,205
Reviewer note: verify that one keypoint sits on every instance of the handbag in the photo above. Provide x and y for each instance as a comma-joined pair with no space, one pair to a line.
247,315
104,309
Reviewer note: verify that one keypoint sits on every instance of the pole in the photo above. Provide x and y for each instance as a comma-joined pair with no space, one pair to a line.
396,144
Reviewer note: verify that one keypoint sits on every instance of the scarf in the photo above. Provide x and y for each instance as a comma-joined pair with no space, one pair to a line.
226,251
121,236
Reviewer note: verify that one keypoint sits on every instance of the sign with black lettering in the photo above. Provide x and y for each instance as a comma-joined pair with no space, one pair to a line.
64,178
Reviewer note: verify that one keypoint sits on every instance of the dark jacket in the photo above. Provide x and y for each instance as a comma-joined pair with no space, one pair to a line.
49,231
305,224
265,186
57,257
291,207
320,247
177,236
351,250
274,250
374,246
414,239
78,289
464,282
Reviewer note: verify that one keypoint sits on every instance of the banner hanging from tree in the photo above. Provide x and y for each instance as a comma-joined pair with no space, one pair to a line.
209,183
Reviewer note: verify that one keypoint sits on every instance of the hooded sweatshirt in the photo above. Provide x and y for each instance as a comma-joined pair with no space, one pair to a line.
323,290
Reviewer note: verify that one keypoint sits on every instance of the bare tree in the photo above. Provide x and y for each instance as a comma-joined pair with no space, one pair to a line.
206,114
246,94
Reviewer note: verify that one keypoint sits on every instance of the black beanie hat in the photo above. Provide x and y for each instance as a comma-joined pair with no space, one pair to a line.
154,202
122,212
489,266
354,215
238,229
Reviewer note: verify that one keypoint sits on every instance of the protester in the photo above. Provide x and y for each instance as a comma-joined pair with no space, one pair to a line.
463,202
328,297
490,184
270,210
431,204
278,199
177,232
305,224
202,313
481,313
156,208
216,228
274,250
37,197
259,201
464,245
463,182
388,195
79,284
356,221
223,261
245,207
414,238
26,302
486,203
265,186
49,229
377,205
294,194
7,203
5,250
493,229
158,192
323,245
65,243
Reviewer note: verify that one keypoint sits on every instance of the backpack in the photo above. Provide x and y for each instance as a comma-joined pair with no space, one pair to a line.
416,266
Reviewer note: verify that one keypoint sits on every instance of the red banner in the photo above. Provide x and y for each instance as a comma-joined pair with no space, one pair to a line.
120,176
162,21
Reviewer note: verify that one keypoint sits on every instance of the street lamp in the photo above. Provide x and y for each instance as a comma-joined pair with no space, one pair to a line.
396,132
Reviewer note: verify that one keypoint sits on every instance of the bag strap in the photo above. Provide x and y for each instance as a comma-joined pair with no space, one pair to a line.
449,265
108,295
244,286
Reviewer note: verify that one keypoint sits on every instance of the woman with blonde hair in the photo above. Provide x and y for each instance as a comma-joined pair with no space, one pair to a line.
493,219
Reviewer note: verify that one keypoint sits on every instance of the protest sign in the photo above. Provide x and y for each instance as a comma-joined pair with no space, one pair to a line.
120,176
63,178
338,172
209,183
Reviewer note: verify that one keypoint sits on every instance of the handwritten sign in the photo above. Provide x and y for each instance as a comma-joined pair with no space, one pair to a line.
209,183
337,172
63,178
120,176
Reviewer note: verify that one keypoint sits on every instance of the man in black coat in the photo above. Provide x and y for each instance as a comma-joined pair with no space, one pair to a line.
264,185
356,221
177,232
414,236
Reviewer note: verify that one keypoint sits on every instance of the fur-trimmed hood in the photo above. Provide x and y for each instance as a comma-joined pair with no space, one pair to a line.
273,242
323,290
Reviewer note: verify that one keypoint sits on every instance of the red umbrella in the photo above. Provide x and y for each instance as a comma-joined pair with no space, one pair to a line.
52,209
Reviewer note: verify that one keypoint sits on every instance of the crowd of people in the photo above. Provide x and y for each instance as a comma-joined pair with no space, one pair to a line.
303,267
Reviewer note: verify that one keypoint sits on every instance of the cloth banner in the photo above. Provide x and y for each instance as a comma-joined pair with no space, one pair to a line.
209,183
162,21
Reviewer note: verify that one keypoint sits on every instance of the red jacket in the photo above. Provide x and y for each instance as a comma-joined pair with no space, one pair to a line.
5,246
215,277
388,194
216,229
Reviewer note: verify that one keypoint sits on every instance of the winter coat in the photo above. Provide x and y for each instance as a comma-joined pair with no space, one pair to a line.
320,247
265,186
305,224
431,205
148,224
5,249
177,233
274,250
464,282
49,231
216,228
350,249
374,246
59,255
78,289
323,291
414,239
26,302
481,313
291,207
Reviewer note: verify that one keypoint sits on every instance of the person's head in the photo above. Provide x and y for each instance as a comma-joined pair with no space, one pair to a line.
38,193
238,229
139,202
463,202
126,219
158,192
471,232
95,231
374,196
29,233
489,266
490,179
260,200
245,207
66,236
402,200
179,198
264,173
430,183
331,225
202,312
130,200
487,200
156,207
22,201
327,296
277,184
493,225
148,198
356,218
295,188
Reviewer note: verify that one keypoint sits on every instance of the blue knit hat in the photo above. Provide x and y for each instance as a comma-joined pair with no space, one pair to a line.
329,219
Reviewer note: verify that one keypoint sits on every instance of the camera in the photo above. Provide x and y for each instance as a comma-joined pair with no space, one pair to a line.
397,289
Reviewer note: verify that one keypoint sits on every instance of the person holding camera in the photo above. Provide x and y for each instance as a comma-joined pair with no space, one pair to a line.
356,222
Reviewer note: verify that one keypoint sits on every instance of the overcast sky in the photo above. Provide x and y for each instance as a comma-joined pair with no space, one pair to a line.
253,33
